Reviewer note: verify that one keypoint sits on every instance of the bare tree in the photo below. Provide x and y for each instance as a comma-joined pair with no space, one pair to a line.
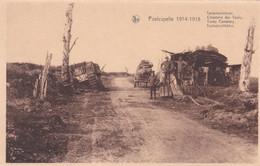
66,75
247,59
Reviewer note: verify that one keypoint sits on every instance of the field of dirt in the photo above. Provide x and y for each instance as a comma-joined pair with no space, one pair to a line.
236,114
121,124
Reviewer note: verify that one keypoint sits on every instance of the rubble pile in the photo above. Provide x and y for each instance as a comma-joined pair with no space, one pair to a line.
228,110
233,110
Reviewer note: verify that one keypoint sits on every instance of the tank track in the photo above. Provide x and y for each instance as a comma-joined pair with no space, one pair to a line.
94,81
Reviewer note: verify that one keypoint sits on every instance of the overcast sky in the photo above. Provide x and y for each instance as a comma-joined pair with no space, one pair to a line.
107,34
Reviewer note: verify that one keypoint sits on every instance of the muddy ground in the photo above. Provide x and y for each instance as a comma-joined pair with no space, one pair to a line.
121,124
231,119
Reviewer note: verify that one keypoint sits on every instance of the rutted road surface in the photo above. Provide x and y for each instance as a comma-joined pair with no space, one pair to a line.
121,125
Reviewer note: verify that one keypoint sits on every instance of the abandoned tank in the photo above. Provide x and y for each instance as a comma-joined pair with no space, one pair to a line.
143,72
87,72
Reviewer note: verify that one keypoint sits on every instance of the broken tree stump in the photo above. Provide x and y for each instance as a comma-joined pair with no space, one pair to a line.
247,60
40,86
45,72
36,85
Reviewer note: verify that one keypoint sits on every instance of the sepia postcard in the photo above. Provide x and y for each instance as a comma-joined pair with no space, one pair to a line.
140,82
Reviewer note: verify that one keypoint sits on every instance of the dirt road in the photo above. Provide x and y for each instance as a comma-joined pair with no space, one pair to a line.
121,125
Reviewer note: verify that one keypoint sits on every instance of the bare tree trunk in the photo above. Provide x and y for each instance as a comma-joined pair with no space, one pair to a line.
65,69
45,72
247,59
45,89
126,71
35,89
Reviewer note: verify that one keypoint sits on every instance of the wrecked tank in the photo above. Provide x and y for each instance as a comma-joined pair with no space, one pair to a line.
87,72
205,71
143,72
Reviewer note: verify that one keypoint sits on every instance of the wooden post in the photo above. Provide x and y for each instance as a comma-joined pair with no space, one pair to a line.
247,59
43,88
66,74
126,71
35,89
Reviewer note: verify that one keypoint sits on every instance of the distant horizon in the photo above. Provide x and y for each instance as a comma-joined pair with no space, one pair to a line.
99,66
